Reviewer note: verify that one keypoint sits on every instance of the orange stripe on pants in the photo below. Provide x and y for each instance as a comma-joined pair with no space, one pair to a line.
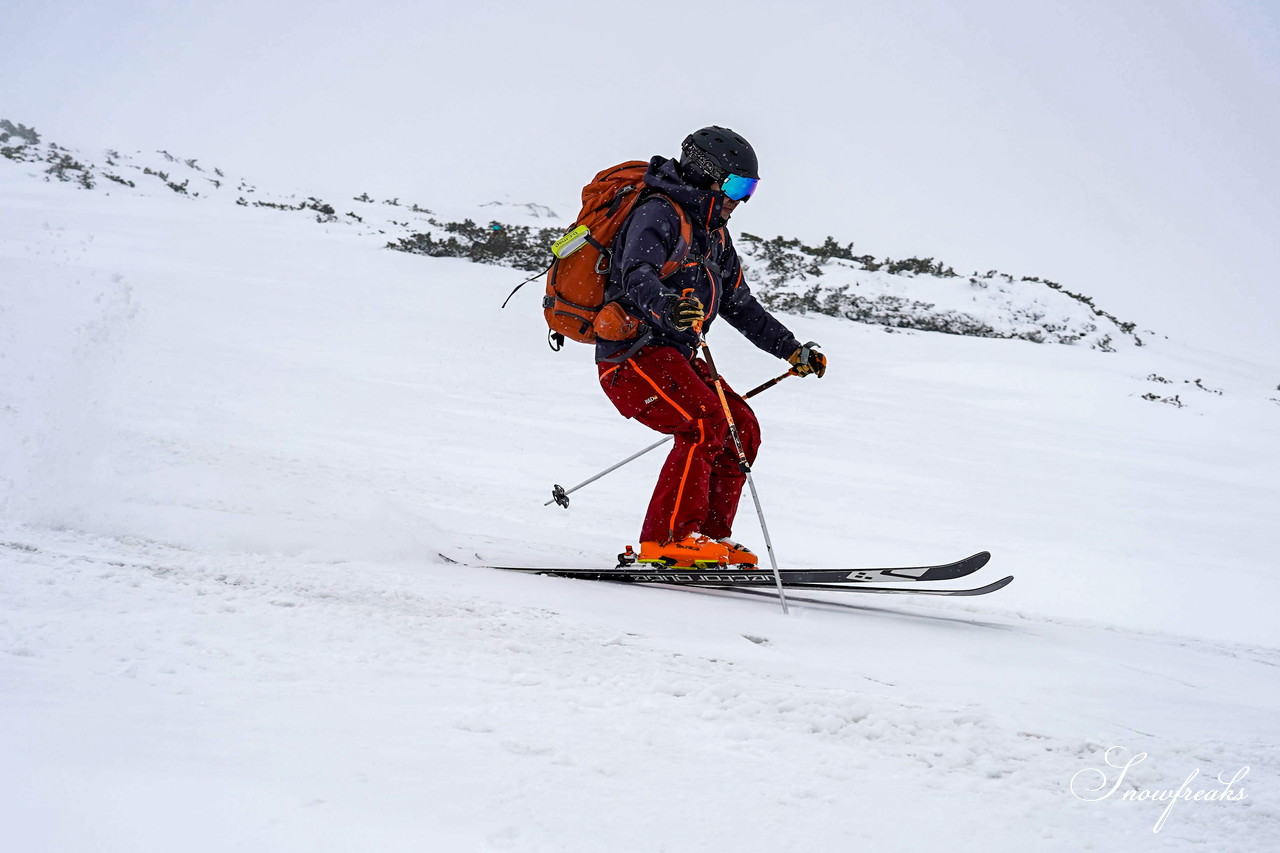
700,483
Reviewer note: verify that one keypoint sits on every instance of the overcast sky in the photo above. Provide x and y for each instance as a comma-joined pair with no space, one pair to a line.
1127,148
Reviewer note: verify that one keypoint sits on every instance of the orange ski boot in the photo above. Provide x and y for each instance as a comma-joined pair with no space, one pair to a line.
695,551
739,554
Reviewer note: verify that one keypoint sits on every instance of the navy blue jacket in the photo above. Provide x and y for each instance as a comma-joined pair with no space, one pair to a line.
712,269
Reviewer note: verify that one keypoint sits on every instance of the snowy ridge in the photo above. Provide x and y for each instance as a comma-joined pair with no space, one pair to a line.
162,174
906,294
924,294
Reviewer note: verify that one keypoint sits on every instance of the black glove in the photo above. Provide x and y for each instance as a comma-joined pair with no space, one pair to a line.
684,311
808,360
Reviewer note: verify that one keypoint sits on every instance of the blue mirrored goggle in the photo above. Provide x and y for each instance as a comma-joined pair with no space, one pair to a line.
738,188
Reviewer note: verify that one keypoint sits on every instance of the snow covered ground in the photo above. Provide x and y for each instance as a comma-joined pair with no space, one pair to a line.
235,442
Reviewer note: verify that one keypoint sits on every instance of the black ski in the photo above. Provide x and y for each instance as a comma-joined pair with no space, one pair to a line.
791,578
795,596
860,587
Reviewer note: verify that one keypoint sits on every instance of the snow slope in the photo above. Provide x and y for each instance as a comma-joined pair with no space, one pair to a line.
234,442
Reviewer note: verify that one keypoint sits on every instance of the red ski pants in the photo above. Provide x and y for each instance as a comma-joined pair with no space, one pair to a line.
701,481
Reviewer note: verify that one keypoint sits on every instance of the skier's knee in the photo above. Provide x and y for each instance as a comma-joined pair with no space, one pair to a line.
716,429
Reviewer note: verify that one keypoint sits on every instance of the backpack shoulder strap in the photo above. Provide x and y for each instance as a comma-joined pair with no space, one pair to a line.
683,243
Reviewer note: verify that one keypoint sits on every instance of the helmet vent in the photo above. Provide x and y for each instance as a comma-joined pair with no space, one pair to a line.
718,151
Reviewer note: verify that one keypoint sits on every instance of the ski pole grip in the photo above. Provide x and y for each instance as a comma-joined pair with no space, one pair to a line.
806,352
687,293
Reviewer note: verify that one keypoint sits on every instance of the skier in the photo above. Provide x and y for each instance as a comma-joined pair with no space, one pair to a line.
658,379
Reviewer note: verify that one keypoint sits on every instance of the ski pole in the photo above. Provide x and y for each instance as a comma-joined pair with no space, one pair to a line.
743,464
560,495
767,385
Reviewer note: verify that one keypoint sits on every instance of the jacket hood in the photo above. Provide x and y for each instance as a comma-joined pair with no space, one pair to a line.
704,206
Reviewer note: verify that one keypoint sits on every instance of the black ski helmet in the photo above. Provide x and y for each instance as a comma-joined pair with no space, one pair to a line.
718,152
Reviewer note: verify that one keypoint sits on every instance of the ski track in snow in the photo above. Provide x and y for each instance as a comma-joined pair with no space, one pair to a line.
231,443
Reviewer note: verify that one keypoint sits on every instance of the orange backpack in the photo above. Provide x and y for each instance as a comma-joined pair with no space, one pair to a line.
574,305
